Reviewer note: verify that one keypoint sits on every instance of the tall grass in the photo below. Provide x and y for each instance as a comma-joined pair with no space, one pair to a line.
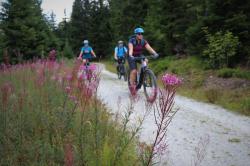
51,117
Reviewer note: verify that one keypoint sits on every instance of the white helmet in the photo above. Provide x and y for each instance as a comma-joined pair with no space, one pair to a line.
85,42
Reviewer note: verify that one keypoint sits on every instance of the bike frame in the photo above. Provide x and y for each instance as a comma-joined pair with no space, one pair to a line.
140,73
87,70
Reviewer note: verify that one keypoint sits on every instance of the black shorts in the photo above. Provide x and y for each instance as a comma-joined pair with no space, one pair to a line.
121,60
133,63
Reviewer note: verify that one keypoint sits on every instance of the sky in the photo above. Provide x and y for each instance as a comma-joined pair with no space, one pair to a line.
57,6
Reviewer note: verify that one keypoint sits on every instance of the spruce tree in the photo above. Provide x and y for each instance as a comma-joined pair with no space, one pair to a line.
27,34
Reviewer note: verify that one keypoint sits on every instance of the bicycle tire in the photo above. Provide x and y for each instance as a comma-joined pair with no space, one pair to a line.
125,76
119,72
150,94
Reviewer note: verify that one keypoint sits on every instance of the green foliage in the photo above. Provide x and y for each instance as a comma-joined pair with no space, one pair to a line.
245,104
230,72
90,20
125,15
212,95
160,66
222,48
190,65
67,51
42,125
27,33
225,72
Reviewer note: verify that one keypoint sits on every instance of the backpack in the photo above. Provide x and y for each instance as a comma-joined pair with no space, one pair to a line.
134,41
123,49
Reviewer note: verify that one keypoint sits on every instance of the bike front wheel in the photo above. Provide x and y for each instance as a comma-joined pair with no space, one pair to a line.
150,85
119,72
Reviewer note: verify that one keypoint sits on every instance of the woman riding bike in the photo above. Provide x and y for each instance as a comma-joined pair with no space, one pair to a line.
86,52
136,46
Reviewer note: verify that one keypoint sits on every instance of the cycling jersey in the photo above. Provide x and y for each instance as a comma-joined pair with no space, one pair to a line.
121,51
86,52
137,46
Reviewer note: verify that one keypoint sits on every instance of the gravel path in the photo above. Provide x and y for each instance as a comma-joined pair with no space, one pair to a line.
228,133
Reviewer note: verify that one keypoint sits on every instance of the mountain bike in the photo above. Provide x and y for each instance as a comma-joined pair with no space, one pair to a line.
121,69
86,70
146,78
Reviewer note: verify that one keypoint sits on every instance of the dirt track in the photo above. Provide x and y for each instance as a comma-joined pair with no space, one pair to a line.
229,134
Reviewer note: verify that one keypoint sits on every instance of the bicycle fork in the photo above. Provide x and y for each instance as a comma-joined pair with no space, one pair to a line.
141,78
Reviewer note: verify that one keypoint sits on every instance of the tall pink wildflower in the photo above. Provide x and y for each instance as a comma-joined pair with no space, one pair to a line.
164,113
170,81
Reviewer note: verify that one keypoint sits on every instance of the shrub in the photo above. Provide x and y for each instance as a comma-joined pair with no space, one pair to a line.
228,73
222,47
160,65
67,50
241,74
225,72
246,106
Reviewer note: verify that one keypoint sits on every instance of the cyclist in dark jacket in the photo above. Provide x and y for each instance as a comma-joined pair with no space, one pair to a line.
136,46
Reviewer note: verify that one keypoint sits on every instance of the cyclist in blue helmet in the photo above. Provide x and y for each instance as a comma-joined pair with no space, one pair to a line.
86,52
136,46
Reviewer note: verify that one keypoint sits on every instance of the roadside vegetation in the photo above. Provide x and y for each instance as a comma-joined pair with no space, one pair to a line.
228,87
51,115
48,117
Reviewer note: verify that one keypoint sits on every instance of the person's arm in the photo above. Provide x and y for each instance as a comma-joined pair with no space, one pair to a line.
150,49
93,53
115,53
126,50
130,49
80,55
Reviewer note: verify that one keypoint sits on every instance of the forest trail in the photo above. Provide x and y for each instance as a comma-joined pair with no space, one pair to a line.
229,133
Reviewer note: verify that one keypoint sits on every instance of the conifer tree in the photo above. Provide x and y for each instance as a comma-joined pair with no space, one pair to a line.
27,34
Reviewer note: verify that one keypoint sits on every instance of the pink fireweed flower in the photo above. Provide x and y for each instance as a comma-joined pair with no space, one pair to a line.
73,98
82,67
171,80
69,77
68,89
92,67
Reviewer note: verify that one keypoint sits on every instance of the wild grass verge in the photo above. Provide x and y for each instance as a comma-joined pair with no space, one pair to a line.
50,117
204,85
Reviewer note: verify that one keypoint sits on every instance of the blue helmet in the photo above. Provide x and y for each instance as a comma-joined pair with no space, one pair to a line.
138,30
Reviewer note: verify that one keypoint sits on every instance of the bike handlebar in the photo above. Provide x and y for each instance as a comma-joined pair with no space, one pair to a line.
142,57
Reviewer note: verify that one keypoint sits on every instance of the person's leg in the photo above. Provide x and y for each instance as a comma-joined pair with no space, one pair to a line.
133,71
117,65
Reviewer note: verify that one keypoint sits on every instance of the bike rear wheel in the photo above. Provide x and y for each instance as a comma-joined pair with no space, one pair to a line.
150,85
